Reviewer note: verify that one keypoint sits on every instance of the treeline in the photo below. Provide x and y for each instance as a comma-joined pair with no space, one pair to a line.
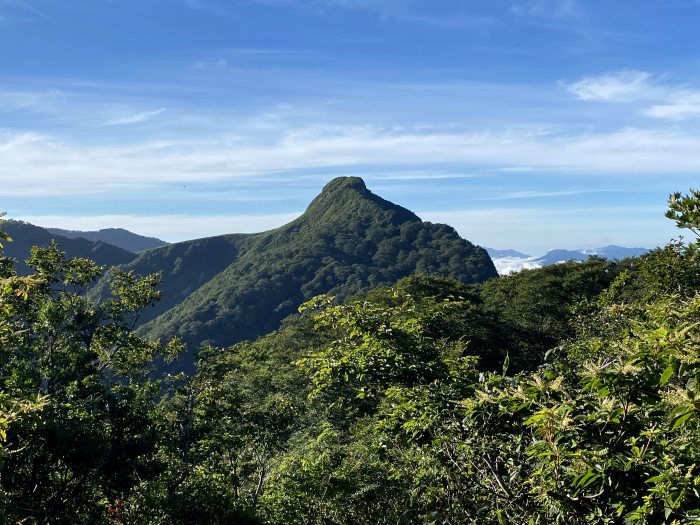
567,394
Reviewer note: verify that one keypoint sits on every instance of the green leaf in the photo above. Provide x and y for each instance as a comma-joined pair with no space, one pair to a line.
666,375
680,421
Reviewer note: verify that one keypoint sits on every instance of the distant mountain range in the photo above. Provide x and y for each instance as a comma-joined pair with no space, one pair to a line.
508,261
115,236
25,235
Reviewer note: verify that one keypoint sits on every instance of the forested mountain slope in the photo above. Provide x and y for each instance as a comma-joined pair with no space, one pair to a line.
184,266
26,235
232,288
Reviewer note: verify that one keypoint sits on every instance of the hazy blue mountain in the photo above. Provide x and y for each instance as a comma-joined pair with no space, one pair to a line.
230,288
508,261
506,253
617,252
555,256
607,252
25,235
115,236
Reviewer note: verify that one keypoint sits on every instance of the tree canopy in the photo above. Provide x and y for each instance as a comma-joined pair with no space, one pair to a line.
562,395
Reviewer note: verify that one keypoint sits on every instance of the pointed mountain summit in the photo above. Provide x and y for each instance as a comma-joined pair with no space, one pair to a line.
345,197
226,289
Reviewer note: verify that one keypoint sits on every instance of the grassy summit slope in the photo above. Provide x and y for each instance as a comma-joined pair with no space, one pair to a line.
347,241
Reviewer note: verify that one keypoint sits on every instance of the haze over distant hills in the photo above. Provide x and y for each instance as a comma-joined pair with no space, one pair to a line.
508,261
115,236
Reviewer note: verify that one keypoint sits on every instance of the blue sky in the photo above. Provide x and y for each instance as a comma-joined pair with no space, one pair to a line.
526,124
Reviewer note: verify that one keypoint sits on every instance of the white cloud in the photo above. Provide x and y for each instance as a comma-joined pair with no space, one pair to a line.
75,107
622,86
518,169
662,100
506,265
682,105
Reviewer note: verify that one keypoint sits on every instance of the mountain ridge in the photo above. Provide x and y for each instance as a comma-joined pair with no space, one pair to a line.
347,241
25,236
125,239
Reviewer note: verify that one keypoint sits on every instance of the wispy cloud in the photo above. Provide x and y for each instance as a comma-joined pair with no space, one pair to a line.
518,169
51,165
24,6
80,106
517,195
661,100
682,105
621,86
35,101
132,118
561,9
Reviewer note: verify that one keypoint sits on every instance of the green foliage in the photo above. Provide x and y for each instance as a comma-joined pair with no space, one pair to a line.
604,432
536,307
673,269
13,408
76,382
374,348
564,395
685,210
4,237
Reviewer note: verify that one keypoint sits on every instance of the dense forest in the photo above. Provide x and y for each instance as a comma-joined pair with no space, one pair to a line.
566,394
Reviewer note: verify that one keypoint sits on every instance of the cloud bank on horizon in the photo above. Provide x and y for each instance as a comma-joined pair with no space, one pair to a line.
525,124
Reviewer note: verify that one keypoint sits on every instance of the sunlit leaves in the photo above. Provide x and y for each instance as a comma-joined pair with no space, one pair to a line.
685,210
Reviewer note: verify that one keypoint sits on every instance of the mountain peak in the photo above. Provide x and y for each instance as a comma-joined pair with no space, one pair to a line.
347,241
344,198
345,183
